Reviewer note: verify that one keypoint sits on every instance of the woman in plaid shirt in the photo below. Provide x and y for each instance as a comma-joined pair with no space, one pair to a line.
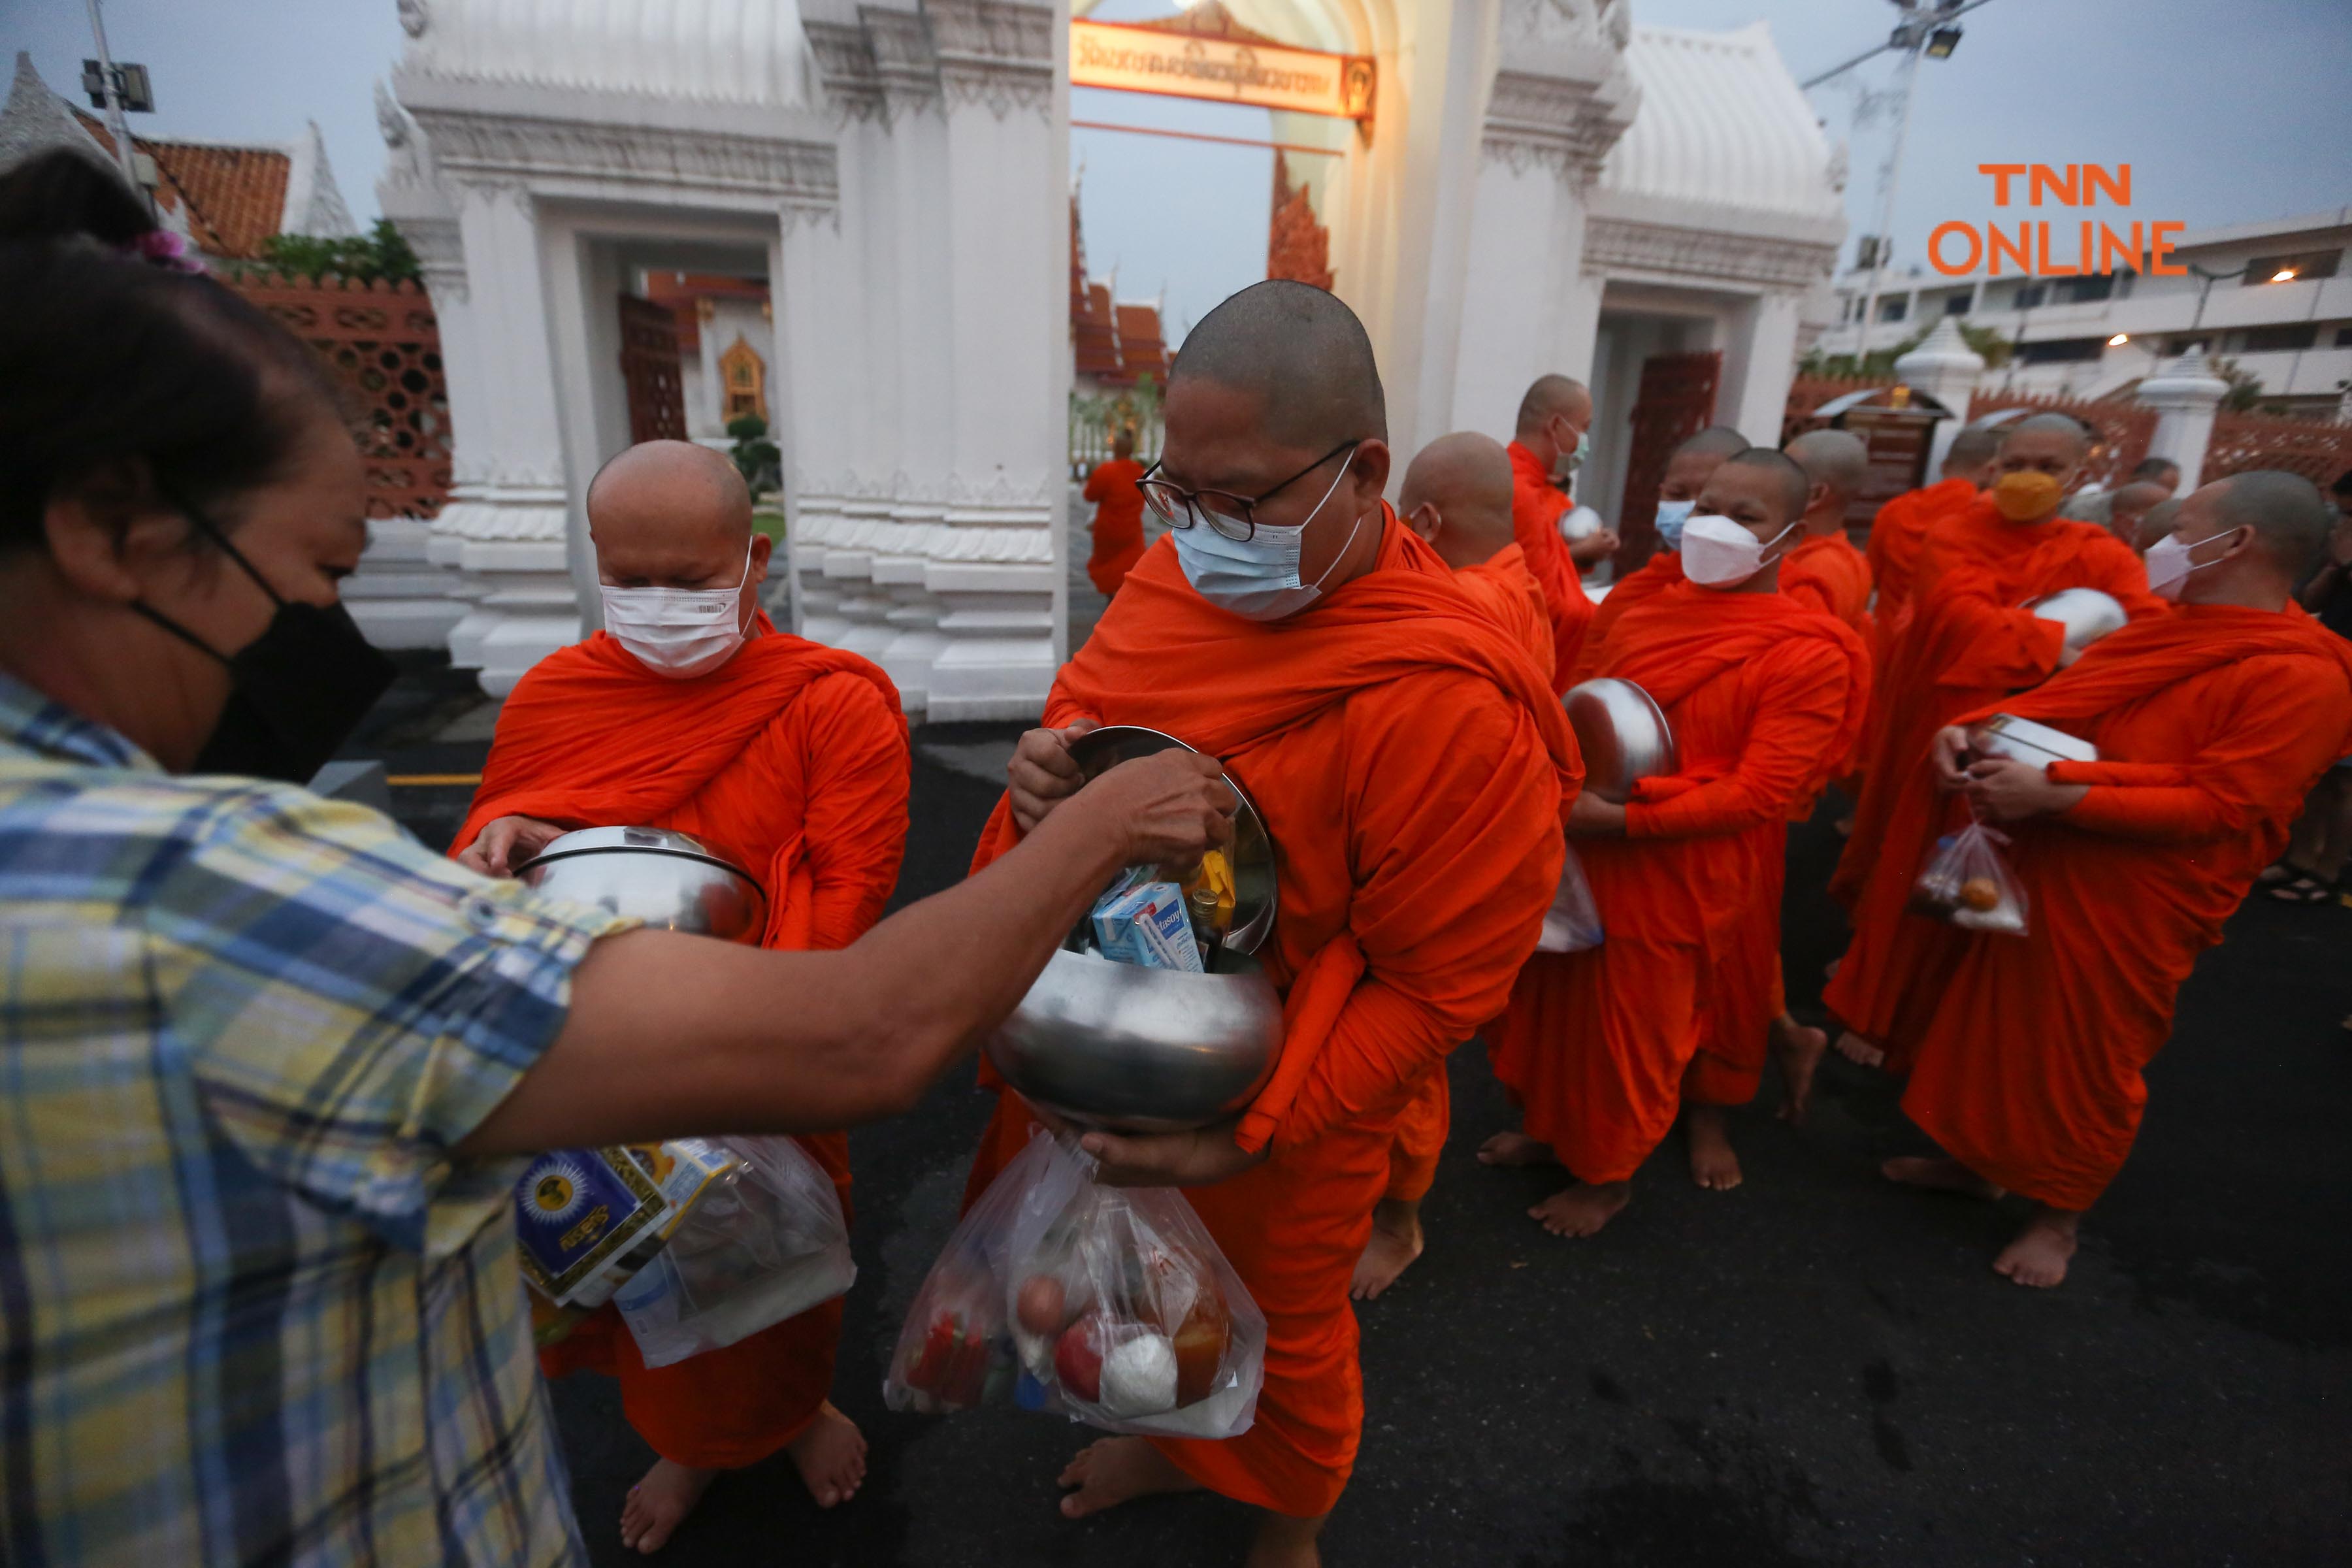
265,1063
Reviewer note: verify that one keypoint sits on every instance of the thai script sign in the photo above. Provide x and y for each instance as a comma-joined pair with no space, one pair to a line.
1136,58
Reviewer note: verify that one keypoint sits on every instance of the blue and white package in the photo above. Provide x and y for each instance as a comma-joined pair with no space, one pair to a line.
1146,925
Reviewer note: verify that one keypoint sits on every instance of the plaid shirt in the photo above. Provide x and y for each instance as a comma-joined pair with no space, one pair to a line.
250,1310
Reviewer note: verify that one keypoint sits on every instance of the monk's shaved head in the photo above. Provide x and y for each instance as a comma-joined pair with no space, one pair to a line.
1972,454
2161,520
2289,518
1554,394
2133,500
671,514
1795,487
1301,352
1714,441
1458,496
2055,427
2162,472
1833,458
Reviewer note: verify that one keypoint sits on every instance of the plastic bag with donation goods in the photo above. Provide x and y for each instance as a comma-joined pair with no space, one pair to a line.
1572,924
766,1242
1969,884
1112,1306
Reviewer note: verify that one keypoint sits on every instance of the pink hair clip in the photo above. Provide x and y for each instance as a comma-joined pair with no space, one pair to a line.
165,248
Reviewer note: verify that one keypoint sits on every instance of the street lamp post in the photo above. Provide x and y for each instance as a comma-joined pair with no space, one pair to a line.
115,120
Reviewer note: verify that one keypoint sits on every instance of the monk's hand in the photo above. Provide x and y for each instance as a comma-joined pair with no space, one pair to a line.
506,843
1043,774
1594,817
1202,1158
1593,547
1950,750
2006,789
1168,810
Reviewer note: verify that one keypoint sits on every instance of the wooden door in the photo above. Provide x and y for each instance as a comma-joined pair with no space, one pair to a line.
649,370
1676,403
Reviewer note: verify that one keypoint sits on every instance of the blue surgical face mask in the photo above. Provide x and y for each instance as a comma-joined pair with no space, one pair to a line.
1671,515
1257,578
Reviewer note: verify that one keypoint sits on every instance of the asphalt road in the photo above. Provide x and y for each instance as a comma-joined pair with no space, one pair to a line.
1816,1369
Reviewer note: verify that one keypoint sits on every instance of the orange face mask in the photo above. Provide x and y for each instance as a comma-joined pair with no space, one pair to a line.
2026,494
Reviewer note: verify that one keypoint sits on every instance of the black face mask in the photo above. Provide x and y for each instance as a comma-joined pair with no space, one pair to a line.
297,691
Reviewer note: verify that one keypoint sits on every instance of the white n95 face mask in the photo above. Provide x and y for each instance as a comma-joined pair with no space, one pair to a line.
1720,553
1257,578
2169,562
678,632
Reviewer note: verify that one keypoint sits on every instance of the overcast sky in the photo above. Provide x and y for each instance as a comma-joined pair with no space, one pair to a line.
2227,110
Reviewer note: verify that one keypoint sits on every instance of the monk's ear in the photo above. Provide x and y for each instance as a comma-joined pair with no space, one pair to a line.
761,548
1369,468
1424,522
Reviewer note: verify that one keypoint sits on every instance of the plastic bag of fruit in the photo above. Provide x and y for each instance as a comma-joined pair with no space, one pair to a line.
955,1348
1124,1313
1969,884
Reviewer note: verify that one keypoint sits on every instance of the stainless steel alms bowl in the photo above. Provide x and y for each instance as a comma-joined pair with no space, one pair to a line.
1623,733
1150,1050
663,879
2023,741
1141,1050
2087,614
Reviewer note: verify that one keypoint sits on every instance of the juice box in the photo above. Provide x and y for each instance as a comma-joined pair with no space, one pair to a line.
1147,925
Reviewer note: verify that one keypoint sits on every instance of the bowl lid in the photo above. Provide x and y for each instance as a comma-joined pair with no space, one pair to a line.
635,841
1254,897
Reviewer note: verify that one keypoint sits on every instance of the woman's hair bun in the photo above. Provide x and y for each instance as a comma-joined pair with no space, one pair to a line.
68,193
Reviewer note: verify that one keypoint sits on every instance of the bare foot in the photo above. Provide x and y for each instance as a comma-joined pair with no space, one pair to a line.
2038,1257
1854,1048
1515,1149
1396,1241
1937,1174
659,1504
1117,1471
1582,1209
1713,1165
830,1454
1798,1049
1844,825
1284,1541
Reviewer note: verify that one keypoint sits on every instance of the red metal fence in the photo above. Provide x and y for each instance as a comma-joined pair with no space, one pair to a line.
382,343
2319,452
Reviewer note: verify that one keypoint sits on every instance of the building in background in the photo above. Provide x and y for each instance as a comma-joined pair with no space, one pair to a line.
2278,316
226,199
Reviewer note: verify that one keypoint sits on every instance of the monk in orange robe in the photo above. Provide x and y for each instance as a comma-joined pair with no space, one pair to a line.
1687,470
2210,725
1970,641
1825,571
1900,529
1118,515
1547,447
784,757
1410,760
1600,1049
1456,498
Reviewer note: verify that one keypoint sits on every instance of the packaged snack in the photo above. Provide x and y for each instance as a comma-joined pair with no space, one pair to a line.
586,1219
1969,884
763,1241
1146,924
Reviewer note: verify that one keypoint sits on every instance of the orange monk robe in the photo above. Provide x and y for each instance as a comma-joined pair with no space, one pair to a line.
1410,760
2212,724
790,760
1537,507
1596,1045
1897,533
1506,591
1654,577
1970,643
1827,573
1119,522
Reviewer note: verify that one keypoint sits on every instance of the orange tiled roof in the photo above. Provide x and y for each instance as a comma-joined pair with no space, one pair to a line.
234,197
1141,349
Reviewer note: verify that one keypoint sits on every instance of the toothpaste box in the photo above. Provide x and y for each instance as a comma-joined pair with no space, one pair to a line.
1146,924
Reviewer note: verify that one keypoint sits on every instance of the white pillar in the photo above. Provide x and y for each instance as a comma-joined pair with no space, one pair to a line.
512,532
2185,394
1758,366
1944,368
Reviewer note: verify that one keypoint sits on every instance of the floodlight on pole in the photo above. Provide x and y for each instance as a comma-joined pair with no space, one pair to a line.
2284,275
1942,42
115,123
2119,340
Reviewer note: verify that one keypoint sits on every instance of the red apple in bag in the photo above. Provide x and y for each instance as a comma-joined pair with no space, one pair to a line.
1078,1358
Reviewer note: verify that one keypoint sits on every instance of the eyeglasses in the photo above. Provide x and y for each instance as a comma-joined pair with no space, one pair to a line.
1230,516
